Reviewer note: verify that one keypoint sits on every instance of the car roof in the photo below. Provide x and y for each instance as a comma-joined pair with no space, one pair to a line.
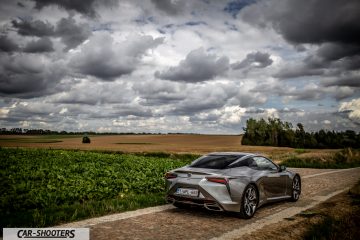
232,154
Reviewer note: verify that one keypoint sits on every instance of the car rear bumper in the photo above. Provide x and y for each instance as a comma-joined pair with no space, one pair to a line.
209,204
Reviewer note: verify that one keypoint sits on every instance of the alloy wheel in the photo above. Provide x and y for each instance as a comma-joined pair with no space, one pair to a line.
250,201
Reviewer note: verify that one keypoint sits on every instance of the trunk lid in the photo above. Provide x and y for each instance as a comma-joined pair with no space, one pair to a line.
198,173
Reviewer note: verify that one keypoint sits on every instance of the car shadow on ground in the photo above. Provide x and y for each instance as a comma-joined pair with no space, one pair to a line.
202,212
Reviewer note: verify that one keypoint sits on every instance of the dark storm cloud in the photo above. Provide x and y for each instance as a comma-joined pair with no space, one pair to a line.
332,25
6,45
299,70
168,6
350,81
72,34
309,92
317,21
36,28
95,94
20,4
39,46
189,108
198,66
106,60
159,92
254,60
204,97
84,7
28,76
335,51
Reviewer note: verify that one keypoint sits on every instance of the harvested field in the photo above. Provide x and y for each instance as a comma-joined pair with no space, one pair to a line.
179,143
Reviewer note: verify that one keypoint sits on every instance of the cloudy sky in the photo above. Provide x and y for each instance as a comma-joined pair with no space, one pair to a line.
178,66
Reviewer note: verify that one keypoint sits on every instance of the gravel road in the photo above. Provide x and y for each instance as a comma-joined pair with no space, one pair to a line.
166,222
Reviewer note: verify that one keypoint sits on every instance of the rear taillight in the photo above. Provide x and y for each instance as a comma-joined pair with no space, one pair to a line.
217,180
170,175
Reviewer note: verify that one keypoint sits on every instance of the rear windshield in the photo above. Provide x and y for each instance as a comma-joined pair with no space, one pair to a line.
214,161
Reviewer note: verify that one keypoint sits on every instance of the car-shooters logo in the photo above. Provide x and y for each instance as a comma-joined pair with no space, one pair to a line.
46,233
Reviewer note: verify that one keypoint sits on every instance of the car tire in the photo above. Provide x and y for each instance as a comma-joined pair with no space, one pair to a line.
296,188
249,202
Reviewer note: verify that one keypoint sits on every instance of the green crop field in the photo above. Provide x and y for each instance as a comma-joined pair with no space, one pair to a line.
42,187
45,187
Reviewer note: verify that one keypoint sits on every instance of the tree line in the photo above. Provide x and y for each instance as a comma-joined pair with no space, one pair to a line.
275,132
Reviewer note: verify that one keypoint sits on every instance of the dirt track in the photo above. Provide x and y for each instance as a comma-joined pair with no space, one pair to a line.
173,223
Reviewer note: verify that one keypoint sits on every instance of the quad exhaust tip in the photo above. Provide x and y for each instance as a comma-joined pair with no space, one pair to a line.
213,207
208,206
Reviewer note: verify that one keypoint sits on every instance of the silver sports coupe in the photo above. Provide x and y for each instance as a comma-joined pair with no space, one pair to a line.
231,181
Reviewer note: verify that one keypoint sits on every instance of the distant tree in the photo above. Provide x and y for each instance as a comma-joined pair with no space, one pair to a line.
275,132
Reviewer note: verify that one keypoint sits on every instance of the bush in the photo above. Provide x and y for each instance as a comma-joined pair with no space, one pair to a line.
86,139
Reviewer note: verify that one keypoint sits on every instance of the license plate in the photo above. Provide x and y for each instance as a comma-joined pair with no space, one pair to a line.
187,192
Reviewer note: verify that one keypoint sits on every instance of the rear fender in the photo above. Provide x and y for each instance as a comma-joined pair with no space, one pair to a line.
237,187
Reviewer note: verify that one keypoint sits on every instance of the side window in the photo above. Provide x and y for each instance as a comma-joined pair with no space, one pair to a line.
242,163
249,162
264,164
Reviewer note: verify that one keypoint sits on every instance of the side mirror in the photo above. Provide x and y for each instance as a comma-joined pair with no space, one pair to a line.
282,168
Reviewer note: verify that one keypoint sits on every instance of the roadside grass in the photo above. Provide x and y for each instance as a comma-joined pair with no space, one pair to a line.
346,158
45,187
339,225
57,214
301,150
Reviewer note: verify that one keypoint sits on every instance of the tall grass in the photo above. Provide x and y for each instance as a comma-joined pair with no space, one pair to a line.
339,225
346,158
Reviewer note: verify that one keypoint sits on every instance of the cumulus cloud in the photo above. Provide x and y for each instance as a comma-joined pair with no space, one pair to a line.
39,46
116,74
28,76
36,28
6,45
315,22
198,66
204,97
350,81
159,92
352,109
96,94
72,34
333,26
105,59
298,70
205,100
227,116
254,60
307,91
169,6
84,7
